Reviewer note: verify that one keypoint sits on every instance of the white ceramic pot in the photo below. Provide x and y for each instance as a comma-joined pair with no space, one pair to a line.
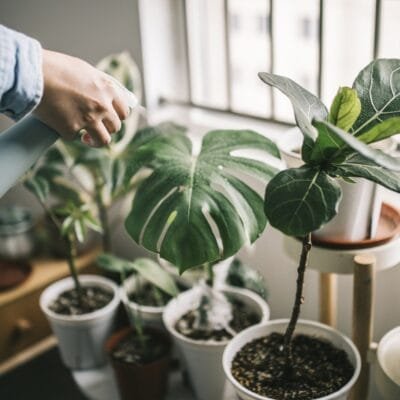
304,327
149,314
81,338
359,209
387,371
203,359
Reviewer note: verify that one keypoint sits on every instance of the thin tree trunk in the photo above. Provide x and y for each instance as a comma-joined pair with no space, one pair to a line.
287,340
71,250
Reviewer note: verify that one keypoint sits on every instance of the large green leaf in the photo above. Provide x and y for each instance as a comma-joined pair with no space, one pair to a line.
378,87
377,156
301,200
381,131
357,166
345,109
146,267
194,209
305,105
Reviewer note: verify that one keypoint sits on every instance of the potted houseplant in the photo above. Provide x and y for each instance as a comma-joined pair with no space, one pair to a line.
335,146
80,309
193,210
140,355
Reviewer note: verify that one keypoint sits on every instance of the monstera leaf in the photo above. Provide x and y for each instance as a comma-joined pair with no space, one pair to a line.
194,209
378,87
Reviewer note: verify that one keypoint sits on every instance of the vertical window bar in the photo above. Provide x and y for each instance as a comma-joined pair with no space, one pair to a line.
228,72
377,27
320,45
187,53
271,54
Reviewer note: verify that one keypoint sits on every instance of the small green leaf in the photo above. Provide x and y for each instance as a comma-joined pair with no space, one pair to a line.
39,186
300,200
345,109
146,267
381,131
377,156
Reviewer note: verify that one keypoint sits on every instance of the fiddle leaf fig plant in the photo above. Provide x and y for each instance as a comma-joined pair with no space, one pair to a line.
336,146
195,209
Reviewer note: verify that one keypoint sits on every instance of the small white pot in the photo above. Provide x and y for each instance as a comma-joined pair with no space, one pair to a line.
311,328
203,358
359,209
149,314
387,372
81,338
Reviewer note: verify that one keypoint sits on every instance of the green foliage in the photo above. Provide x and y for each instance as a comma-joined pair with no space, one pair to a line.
146,267
194,209
243,276
345,109
299,201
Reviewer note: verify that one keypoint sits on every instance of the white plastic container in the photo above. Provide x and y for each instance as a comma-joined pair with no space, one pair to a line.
81,338
387,372
150,315
304,327
203,359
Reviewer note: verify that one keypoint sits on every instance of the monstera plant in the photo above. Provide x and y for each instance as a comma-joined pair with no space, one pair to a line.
335,146
196,208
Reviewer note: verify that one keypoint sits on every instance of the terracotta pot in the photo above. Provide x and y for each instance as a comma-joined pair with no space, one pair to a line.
140,382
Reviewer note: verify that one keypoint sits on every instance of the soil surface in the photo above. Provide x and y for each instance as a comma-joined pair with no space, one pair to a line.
133,350
242,319
148,295
318,368
93,298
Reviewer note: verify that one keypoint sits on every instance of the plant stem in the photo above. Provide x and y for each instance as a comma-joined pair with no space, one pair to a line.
106,235
71,252
210,274
299,299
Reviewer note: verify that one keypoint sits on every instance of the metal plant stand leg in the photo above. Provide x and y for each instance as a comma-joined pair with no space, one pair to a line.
328,298
363,313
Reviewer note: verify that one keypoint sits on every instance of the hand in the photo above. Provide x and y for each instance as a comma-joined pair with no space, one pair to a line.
79,97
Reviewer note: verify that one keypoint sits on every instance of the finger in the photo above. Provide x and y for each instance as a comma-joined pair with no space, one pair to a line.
121,106
99,134
112,122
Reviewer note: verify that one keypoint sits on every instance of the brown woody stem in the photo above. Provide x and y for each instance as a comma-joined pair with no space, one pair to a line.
287,339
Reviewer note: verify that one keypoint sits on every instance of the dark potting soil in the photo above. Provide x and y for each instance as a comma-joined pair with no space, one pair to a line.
149,295
242,318
318,368
93,298
132,350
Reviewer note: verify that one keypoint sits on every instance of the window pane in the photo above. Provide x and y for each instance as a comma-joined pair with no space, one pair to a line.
389,45
207,54
249,44
348,44
295,48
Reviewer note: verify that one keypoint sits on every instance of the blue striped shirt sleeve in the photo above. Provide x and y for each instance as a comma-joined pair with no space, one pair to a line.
21,75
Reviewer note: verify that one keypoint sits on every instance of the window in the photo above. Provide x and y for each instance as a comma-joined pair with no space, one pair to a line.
207,53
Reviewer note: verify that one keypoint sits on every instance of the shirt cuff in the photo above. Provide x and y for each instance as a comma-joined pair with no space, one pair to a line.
22,65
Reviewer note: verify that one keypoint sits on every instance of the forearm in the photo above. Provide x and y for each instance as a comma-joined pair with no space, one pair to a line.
21,76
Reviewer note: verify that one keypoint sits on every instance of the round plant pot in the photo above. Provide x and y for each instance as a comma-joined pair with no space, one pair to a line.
149,314
360,206
81,338
310,328
387,372
202,358
140,382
